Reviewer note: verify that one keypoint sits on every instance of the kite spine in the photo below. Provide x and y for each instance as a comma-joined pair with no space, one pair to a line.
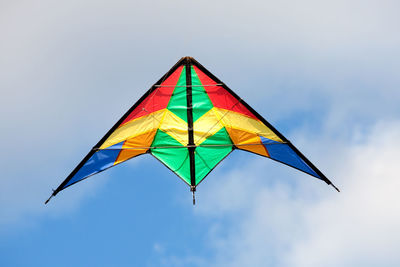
191,144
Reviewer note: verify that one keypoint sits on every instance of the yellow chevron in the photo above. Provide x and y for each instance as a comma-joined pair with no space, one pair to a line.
206,126
175,127
231,119
134,128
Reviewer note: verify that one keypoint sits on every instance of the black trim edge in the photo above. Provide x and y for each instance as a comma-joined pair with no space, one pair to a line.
92,151
281,136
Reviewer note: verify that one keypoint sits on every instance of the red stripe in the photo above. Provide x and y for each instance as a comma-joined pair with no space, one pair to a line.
158,99
220,97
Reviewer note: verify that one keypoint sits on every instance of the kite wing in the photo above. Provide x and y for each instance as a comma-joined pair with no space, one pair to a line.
190,121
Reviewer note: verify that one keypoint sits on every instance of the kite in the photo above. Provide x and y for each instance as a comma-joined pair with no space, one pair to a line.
190,121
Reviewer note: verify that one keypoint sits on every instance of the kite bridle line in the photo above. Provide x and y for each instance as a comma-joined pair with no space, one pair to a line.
220,119
191,145
187,62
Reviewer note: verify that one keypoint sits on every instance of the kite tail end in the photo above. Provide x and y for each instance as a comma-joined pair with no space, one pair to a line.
193,189
52,195
337,189
47,201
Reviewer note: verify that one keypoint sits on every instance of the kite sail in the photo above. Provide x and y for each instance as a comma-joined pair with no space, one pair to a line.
190,121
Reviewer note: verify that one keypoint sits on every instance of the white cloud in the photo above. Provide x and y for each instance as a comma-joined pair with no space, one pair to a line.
359,226
339,59
259,223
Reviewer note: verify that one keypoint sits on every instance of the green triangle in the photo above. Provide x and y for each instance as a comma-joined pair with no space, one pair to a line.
178,103
206,157
172,154
201,101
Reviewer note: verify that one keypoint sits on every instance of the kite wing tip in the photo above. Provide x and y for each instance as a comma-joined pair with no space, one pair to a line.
47,201
337,189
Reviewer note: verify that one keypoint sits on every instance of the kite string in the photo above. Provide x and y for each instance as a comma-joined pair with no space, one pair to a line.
154,93
170,132
220,119
205,134
183,162
152,113
160,122
204,161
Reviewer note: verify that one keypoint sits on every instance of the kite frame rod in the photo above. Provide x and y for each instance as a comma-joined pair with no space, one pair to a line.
189,103
187,146
204,85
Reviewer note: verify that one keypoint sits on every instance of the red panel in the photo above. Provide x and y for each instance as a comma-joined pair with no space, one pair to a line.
220,97
158,99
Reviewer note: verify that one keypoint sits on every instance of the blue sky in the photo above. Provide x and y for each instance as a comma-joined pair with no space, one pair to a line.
325,73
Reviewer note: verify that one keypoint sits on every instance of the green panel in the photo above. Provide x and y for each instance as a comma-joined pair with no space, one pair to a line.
200,99
177,103
176,157
206,158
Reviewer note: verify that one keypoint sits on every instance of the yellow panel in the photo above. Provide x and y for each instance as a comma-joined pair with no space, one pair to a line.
234,120
175,127
134,128
240,138
206,126
143,140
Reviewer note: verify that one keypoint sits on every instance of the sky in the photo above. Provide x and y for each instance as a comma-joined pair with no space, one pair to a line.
324,73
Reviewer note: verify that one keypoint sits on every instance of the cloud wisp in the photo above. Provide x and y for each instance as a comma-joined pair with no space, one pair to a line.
281,225
62,62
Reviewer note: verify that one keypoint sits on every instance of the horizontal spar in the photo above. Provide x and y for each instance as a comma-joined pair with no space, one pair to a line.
204,85
155,147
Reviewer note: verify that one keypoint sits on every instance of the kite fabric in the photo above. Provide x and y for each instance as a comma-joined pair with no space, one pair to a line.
190,121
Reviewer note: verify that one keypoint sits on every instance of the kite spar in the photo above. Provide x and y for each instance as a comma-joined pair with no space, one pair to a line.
190,121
